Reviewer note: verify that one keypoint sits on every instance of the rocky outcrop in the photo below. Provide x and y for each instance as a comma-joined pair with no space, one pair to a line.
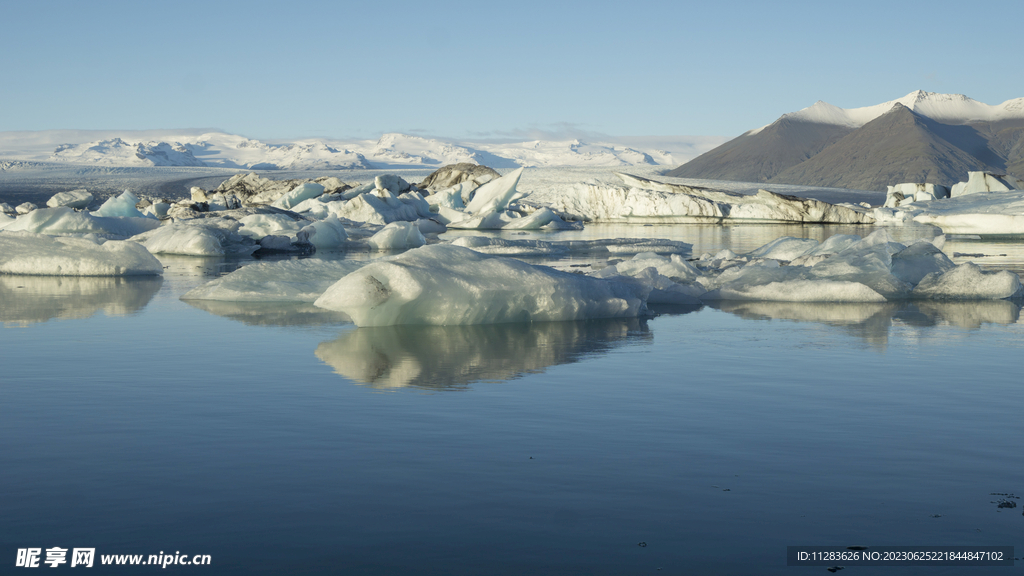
253,189
453,174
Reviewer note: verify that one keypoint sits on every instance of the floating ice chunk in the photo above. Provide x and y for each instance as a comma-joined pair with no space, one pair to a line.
382,207
981,182
122,206
194,239
903,194
392,183
156,210
453,197
968,282
834,244
672,266
29,253
258,226
919,260
25,208
445,284
495,195
300,193
431,226
644,199
504,247
73,199
785,248
64,220
867,262
665,290
276,243
798,291
282,281
329,233
542,219
397,236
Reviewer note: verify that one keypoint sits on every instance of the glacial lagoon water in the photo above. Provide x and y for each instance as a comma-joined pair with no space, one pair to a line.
283,440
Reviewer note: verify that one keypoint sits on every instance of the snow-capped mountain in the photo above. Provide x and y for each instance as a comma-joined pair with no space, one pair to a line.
921,137
945,108
117,152
394,150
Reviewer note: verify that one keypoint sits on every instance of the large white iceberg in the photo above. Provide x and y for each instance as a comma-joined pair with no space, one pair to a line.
80,198
646,200
982,182
447,285
200,237
281,281
123,206
64,220
29,253
299,194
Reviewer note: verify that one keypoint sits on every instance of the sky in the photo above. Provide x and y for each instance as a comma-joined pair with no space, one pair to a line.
486,70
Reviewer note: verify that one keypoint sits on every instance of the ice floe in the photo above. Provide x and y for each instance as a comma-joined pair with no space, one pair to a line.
29,253
446,285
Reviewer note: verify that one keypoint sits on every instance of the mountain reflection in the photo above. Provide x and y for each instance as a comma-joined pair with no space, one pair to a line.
26,300
453,357
872,322
271,313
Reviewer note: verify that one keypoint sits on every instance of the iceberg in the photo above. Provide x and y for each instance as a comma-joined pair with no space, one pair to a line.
300,193
200,237
327,234
451,285
282,281
73,199
968,282
982,182
65,221
646,200
122,206
38,254
489,210
397,236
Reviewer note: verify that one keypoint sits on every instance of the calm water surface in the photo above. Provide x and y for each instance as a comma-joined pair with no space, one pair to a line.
281,439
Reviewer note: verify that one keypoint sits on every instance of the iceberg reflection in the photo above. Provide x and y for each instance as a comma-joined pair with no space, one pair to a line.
872,322
27,300
453,357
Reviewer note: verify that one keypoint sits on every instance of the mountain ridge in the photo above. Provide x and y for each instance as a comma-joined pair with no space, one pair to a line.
932,138
391,150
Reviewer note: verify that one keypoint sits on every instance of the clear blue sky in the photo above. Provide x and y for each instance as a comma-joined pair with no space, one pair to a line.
295,68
